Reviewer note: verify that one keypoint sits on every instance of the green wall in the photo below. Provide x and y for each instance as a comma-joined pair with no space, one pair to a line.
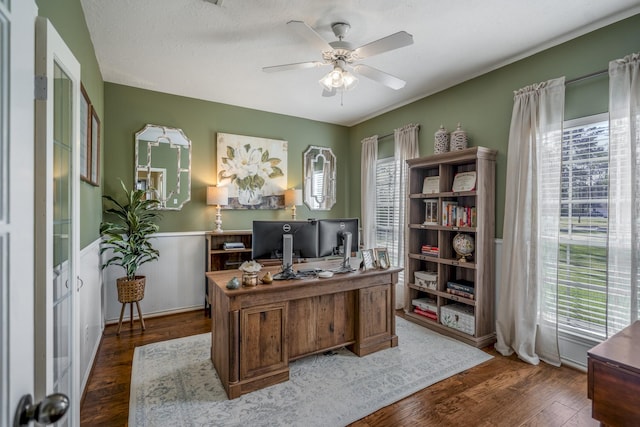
128,110
67,17
483,105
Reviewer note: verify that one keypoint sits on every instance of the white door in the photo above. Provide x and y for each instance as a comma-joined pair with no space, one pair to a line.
57,178
17,20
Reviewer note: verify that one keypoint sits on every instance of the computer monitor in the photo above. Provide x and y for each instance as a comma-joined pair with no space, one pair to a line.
330,235
267,239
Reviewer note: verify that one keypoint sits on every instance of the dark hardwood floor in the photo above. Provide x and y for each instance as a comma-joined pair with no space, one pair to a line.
501,392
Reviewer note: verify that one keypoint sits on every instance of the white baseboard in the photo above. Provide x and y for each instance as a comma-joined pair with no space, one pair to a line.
127,318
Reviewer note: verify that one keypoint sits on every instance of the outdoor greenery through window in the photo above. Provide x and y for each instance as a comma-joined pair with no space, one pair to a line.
582,258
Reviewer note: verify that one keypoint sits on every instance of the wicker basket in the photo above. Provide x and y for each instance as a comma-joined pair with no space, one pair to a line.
130,290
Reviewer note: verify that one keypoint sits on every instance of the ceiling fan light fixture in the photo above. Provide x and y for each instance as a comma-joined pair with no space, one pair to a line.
338,79
349,81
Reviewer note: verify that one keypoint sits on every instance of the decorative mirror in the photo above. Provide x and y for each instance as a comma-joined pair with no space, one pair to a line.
319,178
163,165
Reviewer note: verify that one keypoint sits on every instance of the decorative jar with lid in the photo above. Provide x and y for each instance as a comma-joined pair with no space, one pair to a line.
458,139
441,141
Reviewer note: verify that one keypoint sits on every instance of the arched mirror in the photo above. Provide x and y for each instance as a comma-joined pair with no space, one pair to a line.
319,178
163,165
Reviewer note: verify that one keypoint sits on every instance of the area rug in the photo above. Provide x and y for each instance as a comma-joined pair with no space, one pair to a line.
174,383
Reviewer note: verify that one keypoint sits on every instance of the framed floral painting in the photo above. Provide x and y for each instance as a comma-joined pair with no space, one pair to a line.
254,169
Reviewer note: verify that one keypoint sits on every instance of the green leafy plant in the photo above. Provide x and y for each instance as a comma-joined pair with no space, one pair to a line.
128,235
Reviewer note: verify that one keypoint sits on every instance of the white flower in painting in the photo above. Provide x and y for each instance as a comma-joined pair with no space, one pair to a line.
249,168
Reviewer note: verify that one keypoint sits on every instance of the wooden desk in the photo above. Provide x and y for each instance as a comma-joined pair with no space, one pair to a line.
614,378
256,331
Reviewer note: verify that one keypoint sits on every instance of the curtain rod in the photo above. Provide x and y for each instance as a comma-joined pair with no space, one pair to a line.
391,134
586,76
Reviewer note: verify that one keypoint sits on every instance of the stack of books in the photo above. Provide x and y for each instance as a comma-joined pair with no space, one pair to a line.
462,288
429,250
426,307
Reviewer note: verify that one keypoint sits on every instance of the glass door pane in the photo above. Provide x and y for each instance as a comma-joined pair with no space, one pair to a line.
62,239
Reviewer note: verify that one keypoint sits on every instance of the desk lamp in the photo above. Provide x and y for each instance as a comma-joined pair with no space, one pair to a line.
292,198
217,196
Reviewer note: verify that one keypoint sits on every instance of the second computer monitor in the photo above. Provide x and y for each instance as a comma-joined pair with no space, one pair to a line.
330,233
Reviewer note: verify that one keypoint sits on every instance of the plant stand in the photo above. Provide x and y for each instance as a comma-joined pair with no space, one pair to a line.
130,291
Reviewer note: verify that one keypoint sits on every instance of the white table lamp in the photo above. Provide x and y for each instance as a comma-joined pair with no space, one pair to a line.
218,196
292,198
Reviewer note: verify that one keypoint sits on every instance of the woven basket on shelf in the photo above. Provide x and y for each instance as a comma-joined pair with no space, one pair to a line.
130,290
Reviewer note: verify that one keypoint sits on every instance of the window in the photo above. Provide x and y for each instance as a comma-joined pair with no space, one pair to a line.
582,258
388,224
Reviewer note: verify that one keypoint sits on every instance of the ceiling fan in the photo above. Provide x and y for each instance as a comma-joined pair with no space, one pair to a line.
344,57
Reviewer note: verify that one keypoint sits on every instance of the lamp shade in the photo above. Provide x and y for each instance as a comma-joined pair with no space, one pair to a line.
217,195
292,197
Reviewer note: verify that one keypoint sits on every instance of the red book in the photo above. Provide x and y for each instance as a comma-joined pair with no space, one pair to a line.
426,313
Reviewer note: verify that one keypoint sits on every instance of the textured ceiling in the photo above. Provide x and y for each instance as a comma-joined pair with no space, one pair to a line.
197,49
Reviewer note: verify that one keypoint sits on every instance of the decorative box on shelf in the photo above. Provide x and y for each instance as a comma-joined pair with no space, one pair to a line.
426,279
458,316
426,304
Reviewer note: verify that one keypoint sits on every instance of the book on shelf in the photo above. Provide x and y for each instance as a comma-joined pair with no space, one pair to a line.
429,250
448,212
454,215
462,294
462,285
428,314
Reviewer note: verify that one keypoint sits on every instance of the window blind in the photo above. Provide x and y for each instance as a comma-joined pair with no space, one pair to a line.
582,268
387,209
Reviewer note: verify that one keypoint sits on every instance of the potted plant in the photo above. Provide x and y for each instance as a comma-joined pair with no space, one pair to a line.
128,240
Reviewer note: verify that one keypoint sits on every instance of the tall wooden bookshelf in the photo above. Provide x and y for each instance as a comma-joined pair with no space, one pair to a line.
424,235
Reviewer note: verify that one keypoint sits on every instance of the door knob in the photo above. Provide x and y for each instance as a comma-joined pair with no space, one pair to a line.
48,411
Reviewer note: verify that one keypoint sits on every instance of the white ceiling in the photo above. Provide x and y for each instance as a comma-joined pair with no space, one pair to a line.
196,49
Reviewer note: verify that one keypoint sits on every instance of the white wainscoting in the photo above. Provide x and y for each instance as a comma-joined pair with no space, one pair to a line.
174,283
91,308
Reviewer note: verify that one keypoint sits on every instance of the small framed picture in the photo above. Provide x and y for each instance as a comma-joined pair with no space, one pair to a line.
368,261
382,257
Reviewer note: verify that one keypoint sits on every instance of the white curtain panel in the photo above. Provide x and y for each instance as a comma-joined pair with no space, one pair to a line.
368,161
623,247
406,146
526,320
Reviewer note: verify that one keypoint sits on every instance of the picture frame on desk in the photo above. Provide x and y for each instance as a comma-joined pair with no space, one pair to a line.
368,260
382,258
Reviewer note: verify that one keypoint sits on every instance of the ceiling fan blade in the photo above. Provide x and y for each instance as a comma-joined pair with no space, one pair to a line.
385,44
296,66
310,34
379,76
328,93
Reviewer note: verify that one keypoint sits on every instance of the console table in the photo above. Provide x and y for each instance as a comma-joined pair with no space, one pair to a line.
257,331
614,378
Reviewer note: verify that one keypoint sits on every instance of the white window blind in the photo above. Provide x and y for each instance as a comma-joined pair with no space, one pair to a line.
387,209
582,267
